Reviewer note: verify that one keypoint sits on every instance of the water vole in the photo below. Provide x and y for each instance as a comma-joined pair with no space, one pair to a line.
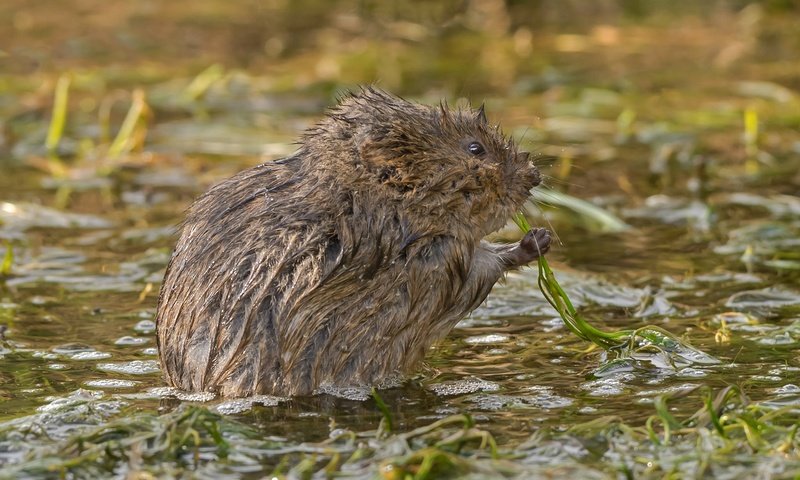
344,262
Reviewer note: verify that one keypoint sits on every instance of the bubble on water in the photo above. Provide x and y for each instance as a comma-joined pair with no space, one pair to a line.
145,326
544,397
356,393
232,407
150,351
461,387
607,386
128,340
170,392
57,366
110,383
239,405
90,356
492,402
135,367
487,339
392,381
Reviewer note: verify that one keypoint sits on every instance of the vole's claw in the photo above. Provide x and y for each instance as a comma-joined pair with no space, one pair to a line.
533,245
536,242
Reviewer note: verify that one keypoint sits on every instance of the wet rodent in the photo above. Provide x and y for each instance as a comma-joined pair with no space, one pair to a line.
341,264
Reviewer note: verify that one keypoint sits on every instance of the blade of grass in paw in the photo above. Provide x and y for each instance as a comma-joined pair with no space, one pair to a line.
622,342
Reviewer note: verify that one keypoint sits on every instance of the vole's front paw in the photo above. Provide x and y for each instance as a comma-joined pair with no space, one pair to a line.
534,244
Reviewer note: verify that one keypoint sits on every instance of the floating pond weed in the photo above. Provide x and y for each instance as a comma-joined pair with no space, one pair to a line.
650,343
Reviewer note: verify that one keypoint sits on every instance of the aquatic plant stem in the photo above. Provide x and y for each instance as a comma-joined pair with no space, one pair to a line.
59,118
123,141
8,260
387,415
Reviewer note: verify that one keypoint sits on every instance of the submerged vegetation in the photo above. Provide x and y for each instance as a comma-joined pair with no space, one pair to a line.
670,142
727,435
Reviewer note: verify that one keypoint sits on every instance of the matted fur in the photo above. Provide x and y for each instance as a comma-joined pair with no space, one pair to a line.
343,263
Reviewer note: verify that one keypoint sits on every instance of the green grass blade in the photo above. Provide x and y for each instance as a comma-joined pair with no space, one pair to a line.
59,118
123,141
8,260
387,415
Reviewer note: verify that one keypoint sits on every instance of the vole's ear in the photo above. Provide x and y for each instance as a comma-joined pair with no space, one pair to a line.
480,114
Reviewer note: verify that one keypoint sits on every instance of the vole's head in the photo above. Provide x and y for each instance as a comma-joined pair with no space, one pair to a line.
440,164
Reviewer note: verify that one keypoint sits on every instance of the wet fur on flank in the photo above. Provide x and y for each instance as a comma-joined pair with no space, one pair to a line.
344,262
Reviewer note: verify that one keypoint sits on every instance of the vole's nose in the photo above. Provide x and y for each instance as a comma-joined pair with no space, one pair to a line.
524,158
536,177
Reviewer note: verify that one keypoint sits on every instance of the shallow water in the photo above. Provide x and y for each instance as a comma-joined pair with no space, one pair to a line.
680,120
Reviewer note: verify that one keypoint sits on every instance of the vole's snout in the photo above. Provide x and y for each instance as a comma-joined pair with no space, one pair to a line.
535,178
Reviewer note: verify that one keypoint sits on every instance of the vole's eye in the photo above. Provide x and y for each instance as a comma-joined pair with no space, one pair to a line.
476,148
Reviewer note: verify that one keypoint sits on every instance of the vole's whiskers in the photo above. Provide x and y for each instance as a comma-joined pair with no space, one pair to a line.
549,180
535,203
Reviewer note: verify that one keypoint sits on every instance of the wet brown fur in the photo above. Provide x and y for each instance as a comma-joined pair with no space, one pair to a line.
343,263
